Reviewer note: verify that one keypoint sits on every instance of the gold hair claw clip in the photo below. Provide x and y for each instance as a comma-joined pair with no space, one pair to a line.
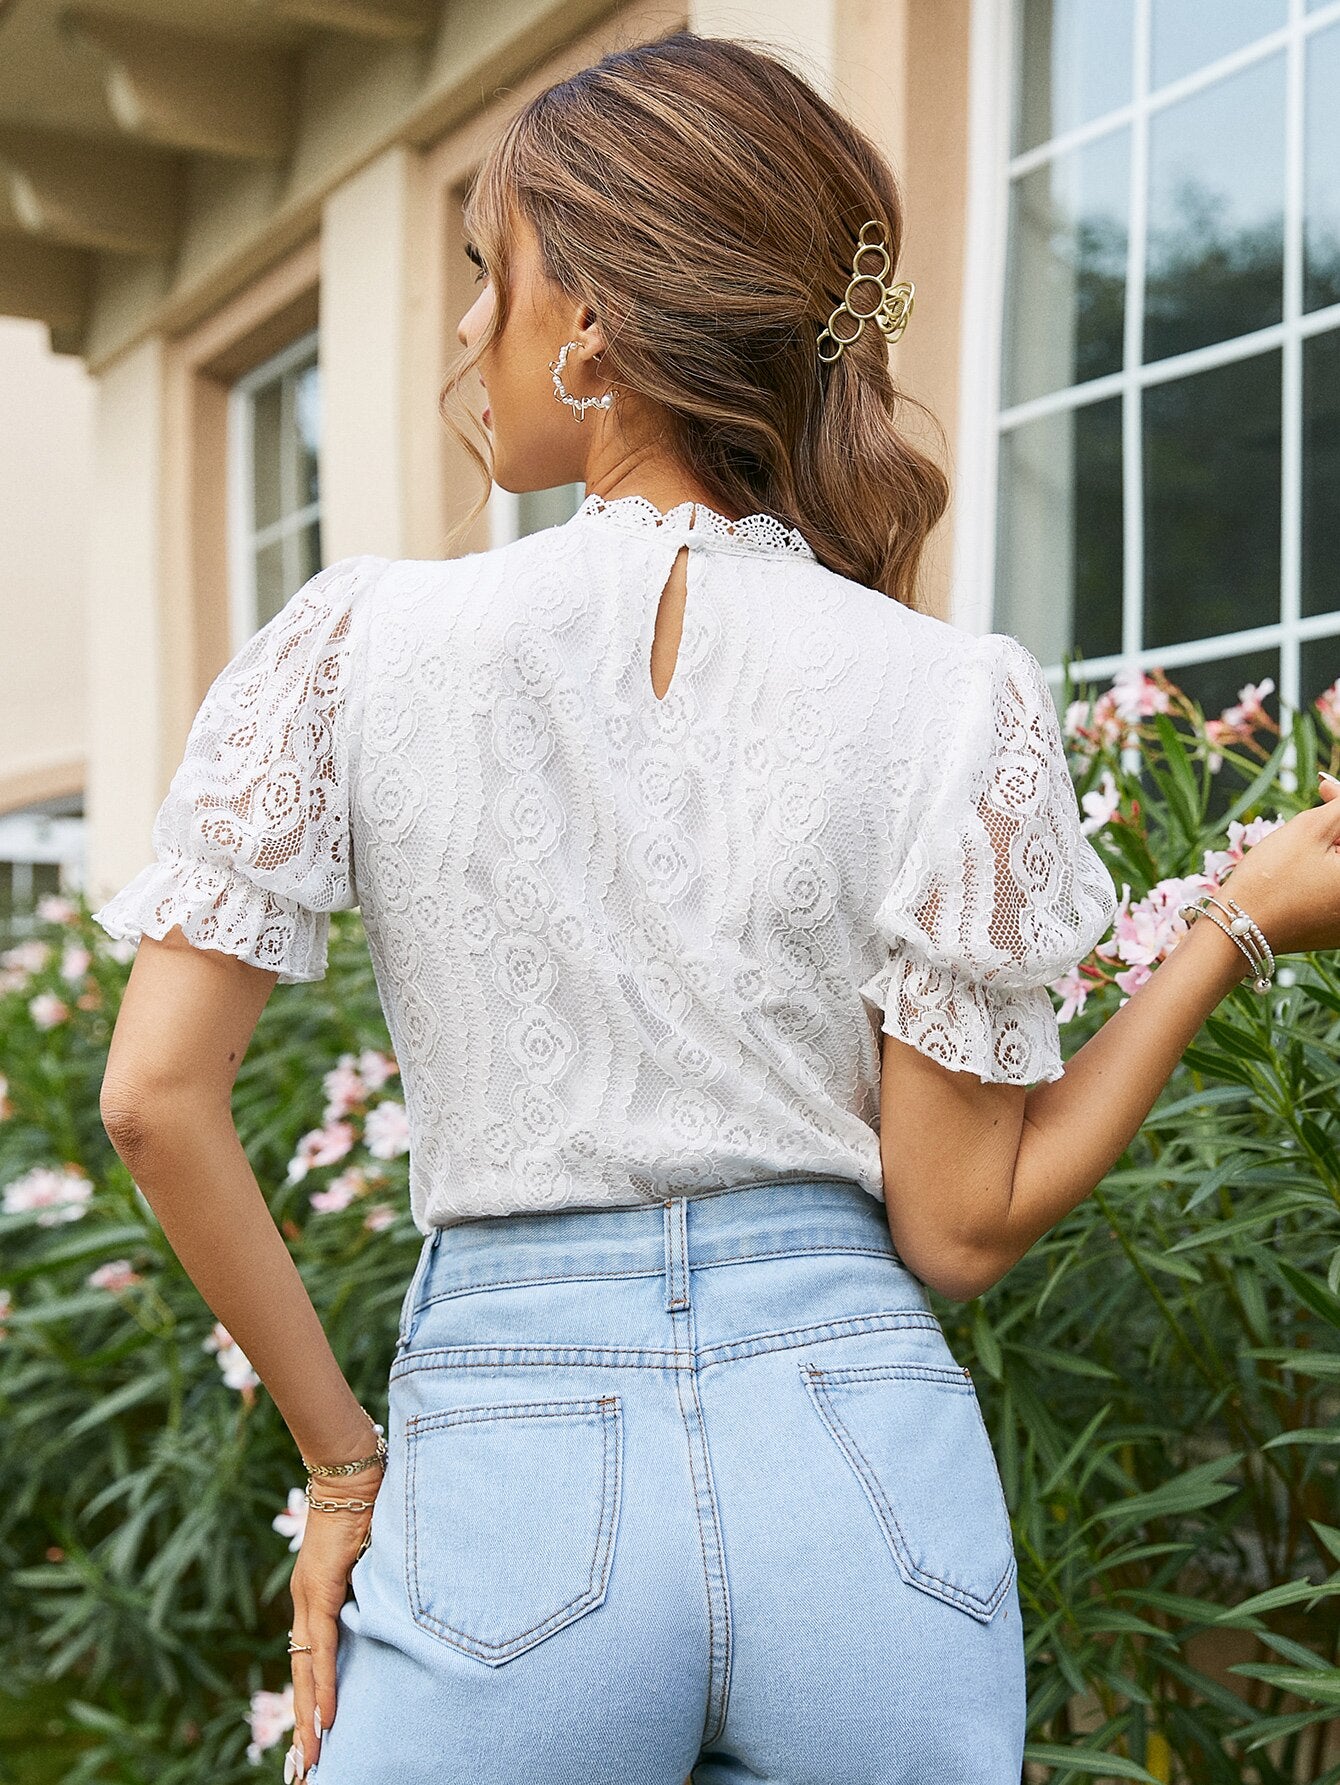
890,309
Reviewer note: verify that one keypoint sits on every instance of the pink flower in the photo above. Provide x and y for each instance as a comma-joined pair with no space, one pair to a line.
6,1309
376,1067
1327,704
1102,804
29,957
1073,990
115,1276
60,1192
237,1371
386,1130
1146,932
47,1010
352,1182
74,963
1241,838
121,948
271,1716
321,1146
6,1107
56,908
1136,696
344,1088
380,1215
293,1522
1132,979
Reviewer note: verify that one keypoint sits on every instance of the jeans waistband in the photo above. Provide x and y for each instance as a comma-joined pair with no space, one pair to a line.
672,1236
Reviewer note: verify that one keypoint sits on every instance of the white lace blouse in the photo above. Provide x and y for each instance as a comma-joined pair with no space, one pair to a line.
630,947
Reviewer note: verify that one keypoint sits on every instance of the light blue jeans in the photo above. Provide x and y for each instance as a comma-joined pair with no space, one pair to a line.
689,1489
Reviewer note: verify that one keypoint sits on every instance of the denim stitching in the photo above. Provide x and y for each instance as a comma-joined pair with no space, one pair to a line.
611,1420
846,1441
698,1520
648,1357
596,1276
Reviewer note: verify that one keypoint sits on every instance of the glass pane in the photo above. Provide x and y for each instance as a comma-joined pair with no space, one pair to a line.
265,436
1073,63
270,592
306,434
1216,213
548,508
1321,474
1321,203
303,556
1319,669
1189,34
1212,501
1066,269
1059,563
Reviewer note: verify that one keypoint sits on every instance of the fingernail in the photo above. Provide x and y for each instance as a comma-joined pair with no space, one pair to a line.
302,1762
316,1720
288,1765
1330,778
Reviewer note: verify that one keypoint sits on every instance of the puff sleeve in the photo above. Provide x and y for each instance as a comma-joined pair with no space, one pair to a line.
999,891
252,842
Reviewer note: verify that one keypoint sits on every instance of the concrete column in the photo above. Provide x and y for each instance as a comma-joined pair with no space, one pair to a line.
364,314
129,760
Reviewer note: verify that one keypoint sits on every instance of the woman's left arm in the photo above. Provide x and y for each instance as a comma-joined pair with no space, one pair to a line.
186,1020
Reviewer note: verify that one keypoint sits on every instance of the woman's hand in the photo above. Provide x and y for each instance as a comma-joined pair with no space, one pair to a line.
319,1588
1289,882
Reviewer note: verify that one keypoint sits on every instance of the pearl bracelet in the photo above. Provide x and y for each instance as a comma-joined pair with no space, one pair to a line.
1242,931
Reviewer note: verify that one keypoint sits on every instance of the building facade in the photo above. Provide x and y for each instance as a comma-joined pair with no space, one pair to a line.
240,226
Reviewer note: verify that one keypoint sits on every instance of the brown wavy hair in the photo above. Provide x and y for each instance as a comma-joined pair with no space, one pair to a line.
705,200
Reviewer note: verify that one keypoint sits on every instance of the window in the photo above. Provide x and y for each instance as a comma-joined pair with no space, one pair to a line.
275,426
41,851
1168,426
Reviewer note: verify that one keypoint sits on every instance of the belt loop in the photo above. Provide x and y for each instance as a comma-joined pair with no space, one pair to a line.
676,1253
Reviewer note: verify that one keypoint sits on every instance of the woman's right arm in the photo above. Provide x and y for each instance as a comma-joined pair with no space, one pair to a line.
985,1169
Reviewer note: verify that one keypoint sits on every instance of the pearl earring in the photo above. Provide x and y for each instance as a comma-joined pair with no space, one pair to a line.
579,405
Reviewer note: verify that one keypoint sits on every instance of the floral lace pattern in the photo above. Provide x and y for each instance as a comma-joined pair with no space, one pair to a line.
252,840
631,946
752,532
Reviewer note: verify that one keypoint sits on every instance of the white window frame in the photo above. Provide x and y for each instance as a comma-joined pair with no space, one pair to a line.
981,421
244,539
28,839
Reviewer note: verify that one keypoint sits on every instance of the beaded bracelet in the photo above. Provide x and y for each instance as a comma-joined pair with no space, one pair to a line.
1242,931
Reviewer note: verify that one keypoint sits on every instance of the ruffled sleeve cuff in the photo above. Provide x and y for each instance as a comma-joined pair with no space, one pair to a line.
218,909
1007,1036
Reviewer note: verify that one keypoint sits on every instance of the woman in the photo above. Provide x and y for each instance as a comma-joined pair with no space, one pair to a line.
660,820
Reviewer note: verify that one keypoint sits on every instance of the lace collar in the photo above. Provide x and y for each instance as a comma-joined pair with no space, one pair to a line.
697,523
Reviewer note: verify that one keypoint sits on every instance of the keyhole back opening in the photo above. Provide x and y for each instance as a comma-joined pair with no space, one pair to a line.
669,625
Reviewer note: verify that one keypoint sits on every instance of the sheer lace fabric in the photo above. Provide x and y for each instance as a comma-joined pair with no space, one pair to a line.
626,946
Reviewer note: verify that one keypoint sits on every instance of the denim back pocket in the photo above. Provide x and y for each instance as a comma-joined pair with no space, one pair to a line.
915,1438
512,1511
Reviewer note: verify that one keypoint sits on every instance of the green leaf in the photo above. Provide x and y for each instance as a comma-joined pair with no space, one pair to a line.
1087,1761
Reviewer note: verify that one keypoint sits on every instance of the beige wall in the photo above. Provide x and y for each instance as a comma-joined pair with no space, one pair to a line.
46,468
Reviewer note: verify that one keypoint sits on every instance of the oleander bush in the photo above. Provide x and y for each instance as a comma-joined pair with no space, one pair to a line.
1160,1374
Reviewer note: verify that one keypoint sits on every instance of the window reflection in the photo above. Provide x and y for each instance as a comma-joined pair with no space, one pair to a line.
1321,225
1074,58
1066,269
1059,566
1321,474
1212,501
1216,213
1189,34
